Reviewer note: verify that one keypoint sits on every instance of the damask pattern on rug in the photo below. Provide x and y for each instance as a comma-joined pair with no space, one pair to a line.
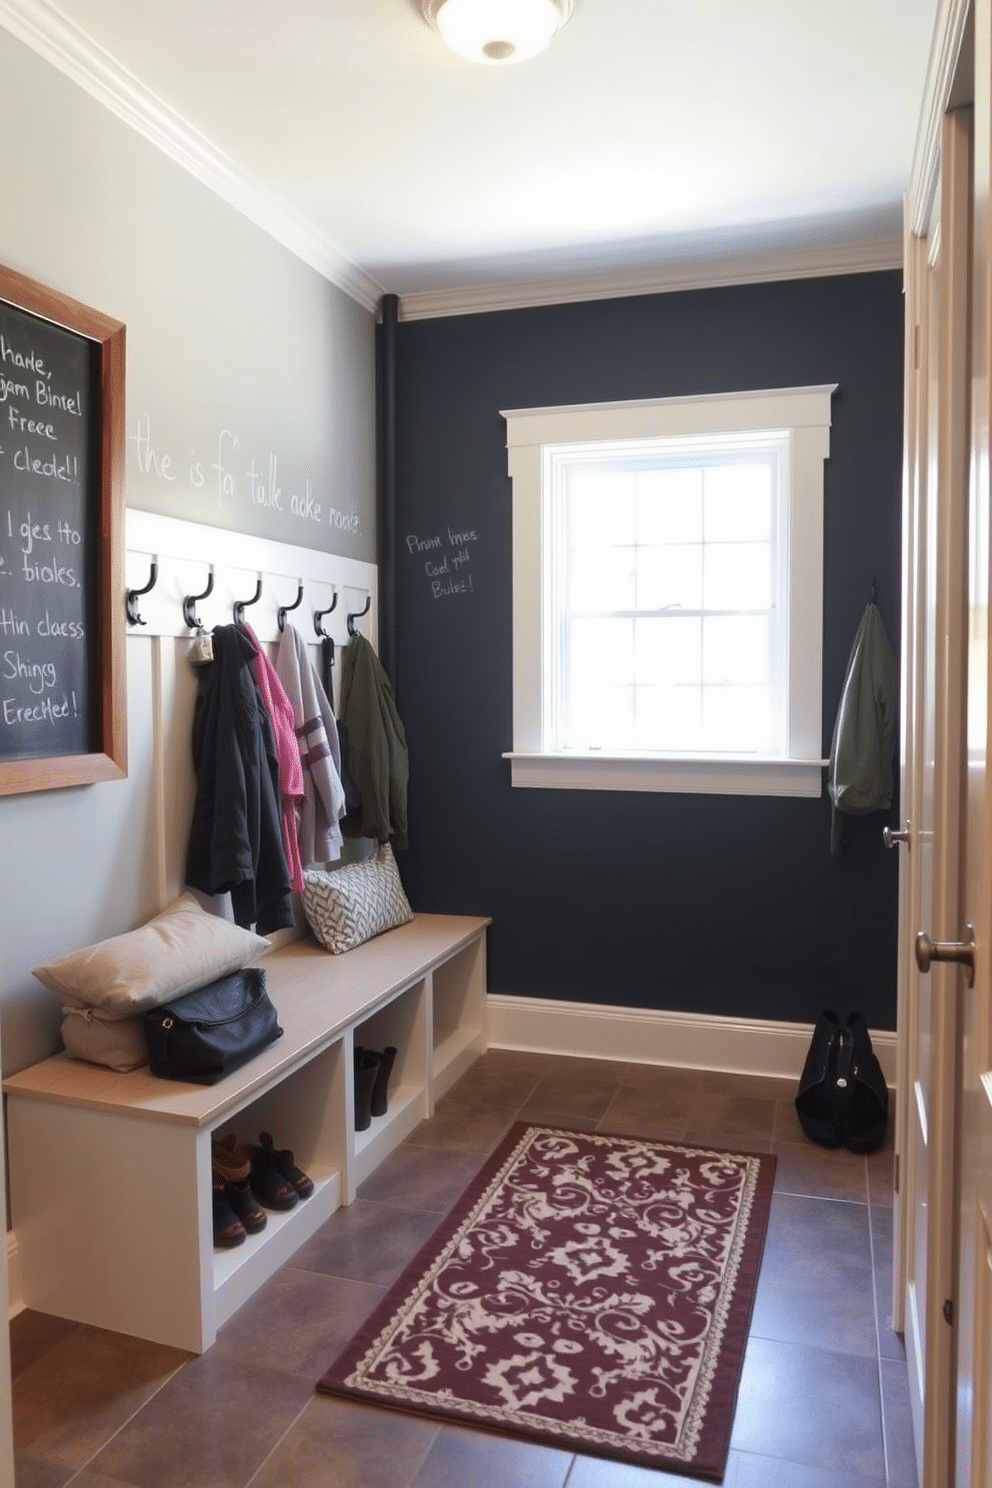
590,1290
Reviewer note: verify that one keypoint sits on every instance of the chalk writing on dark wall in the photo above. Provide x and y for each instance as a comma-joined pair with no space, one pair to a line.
49,472
446,560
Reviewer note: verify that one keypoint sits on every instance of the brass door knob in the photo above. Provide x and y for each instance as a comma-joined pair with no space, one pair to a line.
962,951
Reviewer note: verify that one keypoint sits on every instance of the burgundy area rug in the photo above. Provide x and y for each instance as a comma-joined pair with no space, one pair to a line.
588,1291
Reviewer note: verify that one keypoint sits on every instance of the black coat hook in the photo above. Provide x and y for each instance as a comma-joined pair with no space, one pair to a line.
284,610
357,615
239,604
318,615
189,603
131,602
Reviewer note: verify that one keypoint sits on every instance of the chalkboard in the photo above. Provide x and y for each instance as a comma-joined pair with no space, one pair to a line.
61,517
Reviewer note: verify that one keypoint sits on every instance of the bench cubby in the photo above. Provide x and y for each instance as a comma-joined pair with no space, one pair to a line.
457,1014
402,1023
110,1174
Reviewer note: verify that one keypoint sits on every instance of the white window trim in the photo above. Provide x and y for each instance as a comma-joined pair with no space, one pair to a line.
805,413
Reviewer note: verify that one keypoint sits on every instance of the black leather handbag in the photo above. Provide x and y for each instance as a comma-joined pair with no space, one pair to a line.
207,1033
842,1099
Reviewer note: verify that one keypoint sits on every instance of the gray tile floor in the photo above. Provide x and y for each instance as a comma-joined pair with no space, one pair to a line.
823,1400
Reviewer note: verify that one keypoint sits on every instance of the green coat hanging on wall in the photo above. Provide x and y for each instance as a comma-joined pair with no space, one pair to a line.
860,776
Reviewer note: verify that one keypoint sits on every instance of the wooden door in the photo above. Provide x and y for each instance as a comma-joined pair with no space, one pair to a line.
938,424
973,1304
916,878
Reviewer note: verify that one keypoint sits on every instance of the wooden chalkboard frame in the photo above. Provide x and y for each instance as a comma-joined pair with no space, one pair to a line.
109,760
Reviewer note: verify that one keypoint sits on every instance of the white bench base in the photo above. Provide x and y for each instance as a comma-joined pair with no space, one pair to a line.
110,1174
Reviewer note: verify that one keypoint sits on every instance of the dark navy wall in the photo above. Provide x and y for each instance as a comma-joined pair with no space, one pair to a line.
715,904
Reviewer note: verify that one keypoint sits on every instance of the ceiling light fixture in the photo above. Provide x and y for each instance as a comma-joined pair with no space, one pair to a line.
497,31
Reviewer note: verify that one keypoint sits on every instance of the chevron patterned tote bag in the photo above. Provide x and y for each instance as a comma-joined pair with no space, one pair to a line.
347,906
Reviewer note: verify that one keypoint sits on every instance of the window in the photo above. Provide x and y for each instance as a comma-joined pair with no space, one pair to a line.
668,593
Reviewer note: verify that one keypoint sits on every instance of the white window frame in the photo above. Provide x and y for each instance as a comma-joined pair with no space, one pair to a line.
803,414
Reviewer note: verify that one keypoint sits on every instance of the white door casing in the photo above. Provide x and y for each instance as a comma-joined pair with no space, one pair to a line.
973,1465
945,1205
935,512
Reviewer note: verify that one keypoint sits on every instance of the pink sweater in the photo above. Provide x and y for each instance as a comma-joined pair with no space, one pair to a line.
280,710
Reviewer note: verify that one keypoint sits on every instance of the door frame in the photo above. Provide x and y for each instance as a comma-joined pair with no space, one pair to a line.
937,448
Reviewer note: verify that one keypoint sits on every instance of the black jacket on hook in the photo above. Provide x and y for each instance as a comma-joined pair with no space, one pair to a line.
235,842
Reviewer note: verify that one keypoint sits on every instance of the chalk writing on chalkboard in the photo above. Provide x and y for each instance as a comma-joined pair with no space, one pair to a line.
61,507
446,560
47,583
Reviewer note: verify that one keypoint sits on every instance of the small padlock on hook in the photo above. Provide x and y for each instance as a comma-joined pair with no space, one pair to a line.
202,653
202,650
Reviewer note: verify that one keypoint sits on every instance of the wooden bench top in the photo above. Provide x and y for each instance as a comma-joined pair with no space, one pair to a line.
317,996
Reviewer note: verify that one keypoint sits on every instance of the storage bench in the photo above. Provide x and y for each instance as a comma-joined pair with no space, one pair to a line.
110,1174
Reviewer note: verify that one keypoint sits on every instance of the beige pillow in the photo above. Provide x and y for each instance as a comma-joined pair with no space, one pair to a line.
179,950
119,1043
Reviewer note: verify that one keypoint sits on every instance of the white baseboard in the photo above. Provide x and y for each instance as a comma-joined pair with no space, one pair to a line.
745,1046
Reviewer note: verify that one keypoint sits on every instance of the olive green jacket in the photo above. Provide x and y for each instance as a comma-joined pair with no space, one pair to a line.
377,754
860,775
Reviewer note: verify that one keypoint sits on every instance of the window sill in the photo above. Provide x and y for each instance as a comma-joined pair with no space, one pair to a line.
728,775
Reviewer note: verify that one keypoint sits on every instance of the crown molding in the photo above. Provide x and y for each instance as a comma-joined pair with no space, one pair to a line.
945,49
42,28
701,273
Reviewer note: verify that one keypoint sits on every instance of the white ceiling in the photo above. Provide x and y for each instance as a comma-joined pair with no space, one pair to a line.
657,140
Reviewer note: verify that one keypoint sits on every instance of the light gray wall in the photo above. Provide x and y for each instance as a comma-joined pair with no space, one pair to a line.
226,330
239,354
